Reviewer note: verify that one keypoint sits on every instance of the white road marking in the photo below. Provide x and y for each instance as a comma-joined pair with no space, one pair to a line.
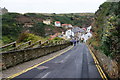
46,75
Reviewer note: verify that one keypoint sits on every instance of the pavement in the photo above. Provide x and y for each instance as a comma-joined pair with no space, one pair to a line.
76,63
26,65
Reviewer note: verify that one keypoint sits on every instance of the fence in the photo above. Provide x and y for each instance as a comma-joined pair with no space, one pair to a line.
14,46
13,58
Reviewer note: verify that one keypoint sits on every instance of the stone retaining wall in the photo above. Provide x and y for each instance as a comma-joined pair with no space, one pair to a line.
10,59
110,66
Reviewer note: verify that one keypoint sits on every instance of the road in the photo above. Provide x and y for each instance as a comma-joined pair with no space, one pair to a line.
75,63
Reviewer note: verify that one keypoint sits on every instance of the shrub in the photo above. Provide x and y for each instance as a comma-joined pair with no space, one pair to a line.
58,38
24,37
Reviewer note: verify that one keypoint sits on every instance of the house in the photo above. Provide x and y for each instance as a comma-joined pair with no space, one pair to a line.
88,29
78,32
48,21
28,25
3,10
84,29
67,25
69,34
78,29
85,37
57,24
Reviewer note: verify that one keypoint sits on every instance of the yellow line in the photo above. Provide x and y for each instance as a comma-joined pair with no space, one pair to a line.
102,74
17,74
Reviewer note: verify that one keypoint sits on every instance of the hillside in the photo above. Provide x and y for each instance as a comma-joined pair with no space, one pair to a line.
106,28
13,24
106,37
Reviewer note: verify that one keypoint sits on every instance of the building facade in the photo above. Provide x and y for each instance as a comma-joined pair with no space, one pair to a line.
48,21
57,24
69,34
3,10
67,25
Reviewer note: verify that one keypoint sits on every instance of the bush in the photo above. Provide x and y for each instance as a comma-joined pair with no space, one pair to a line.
58,38
24,37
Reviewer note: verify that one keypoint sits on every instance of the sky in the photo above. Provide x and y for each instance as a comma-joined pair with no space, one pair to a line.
51,6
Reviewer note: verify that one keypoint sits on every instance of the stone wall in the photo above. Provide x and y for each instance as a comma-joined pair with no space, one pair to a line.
109,65
13,58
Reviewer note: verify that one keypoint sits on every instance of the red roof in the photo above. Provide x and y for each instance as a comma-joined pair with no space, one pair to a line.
84,29
65,24
57,22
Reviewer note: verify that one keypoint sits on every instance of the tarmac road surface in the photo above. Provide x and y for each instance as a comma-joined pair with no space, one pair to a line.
75,63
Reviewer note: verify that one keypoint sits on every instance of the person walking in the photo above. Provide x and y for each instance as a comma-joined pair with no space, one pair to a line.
73,41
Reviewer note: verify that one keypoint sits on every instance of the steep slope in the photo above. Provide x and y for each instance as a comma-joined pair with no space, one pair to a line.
107,28
106,37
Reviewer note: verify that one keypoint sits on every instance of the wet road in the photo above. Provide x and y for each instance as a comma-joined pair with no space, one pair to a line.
75,63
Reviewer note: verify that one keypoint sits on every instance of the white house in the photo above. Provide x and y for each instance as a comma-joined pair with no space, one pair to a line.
88,29
69,34
57,23
48,21
86,36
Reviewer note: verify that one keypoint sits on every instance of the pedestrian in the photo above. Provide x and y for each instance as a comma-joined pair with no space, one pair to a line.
73,42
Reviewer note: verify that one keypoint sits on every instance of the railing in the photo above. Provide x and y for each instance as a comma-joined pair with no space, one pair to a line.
22,46
13,43
8,47
56,42
32,51
36,44
13,46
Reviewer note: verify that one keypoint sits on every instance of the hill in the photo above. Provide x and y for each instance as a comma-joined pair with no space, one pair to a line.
105,42
15,23
107,29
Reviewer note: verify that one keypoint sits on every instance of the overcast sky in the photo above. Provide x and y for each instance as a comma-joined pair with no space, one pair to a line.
51,6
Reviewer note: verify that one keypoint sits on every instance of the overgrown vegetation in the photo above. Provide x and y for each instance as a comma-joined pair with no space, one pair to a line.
10,27
24,37
57,39
107,29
